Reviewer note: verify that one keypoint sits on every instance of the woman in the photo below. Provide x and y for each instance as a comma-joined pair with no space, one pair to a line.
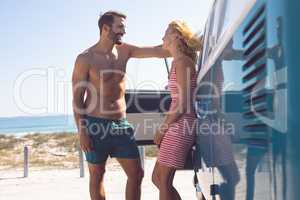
175,136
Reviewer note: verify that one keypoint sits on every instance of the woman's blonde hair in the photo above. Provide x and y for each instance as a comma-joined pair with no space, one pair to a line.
191,43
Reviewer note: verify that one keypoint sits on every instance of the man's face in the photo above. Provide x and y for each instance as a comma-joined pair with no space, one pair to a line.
117,30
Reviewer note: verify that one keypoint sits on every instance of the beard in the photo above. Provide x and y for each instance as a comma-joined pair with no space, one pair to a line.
115,37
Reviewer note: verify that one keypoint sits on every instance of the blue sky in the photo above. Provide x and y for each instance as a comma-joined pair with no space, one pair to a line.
48,35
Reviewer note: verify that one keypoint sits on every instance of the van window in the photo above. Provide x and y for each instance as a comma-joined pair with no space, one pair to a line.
223,15
232,11
146,74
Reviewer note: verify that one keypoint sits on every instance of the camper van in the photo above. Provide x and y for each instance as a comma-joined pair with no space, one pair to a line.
247,101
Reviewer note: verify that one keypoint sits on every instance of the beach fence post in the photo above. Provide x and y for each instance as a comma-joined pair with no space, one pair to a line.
81,163
26,161
142,156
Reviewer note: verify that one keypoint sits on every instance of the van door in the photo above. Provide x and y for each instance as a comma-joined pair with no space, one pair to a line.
233,99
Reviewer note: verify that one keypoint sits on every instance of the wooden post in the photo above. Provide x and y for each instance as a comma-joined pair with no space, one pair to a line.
142,156
26,161
81,163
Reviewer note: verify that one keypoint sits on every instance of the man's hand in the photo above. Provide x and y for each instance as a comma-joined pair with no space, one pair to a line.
85,142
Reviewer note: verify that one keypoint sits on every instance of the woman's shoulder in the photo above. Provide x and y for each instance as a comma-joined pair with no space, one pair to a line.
183,62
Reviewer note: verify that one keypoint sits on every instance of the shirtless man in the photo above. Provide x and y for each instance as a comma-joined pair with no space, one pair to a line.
101,116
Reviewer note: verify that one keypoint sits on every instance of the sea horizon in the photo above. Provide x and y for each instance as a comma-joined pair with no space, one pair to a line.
22,125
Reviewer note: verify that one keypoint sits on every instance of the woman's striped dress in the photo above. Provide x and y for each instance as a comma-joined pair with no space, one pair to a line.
181,134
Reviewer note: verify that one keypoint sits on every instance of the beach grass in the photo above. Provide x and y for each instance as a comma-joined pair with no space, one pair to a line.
45,150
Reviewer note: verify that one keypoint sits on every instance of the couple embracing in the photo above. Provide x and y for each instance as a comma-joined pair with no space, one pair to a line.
100,109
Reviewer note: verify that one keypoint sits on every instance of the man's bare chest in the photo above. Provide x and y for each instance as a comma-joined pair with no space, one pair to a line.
108,67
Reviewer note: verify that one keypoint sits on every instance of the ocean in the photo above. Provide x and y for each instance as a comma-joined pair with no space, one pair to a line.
19,126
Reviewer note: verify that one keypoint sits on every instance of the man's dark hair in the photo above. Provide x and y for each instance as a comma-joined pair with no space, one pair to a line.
108,19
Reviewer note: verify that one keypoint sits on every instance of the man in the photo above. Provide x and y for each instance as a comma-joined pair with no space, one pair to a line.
101,116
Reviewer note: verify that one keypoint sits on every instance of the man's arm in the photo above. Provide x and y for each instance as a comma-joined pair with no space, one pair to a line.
147,52
79,81
79,86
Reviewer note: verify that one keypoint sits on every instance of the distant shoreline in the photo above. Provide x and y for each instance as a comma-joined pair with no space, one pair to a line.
43,124
22,134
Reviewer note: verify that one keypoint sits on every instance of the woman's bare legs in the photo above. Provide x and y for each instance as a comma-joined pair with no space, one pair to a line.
162,178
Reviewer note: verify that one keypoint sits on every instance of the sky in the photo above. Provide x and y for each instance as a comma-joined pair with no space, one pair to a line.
41,39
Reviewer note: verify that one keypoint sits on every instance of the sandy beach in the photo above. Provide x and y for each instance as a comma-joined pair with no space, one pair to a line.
65,184
54,171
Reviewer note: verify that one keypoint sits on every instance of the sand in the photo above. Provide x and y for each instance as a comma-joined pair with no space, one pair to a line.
65,184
